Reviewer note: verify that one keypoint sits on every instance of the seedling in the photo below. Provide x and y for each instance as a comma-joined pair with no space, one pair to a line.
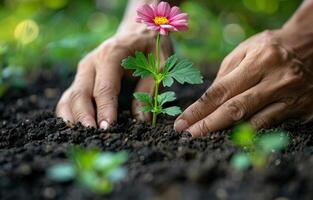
162,19
255,149
93,169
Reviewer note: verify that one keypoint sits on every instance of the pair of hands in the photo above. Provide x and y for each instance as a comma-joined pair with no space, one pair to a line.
262,81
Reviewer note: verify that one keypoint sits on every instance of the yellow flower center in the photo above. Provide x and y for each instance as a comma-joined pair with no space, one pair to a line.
160,20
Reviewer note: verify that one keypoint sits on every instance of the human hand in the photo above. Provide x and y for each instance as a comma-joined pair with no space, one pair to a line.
262,81
99,75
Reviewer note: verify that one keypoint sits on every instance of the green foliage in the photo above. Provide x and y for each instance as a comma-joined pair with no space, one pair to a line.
166,97
143,97
182,71
93,169
256,149
216,28
243,136
241,161
162,99
172,111
141,66
273,142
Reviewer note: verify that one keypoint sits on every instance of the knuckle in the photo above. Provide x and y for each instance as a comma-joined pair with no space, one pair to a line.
289,101
107,103
217,95
196,113
273,54
236,110
108,47
80,116
293,77
261,122
77,94
295,73
85,61
103,89
204,128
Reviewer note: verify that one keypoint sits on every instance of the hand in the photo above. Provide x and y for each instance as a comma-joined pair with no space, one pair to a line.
262,81
98,80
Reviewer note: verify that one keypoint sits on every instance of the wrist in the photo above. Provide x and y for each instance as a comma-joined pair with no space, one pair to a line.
297,33
299,42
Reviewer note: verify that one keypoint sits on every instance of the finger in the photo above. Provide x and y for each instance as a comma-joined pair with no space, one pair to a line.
231,62
234,110
81,95
144,85
239,80
82,108
272,114
63,108
107,87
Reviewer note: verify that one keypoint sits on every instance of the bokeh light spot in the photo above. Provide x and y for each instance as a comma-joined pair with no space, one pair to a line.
3,48
97,21
233,34
55,4
264,6
26,31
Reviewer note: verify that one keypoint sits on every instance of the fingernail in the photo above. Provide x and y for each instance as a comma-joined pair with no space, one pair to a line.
180,125
104,125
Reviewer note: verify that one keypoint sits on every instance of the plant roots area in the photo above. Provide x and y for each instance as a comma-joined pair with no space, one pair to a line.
162,163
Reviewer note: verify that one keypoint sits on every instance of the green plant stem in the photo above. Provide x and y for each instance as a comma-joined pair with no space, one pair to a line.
157,82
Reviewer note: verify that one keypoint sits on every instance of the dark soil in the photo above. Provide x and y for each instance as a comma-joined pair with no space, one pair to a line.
163,164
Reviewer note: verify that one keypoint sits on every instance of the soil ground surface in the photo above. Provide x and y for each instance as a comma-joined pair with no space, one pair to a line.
162,164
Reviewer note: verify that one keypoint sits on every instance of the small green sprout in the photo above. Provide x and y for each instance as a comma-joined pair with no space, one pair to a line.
92,169
256,149
181,71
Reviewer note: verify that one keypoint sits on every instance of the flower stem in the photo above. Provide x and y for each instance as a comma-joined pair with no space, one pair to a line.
157,82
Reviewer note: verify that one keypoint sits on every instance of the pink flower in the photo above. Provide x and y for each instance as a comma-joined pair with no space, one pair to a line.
162,18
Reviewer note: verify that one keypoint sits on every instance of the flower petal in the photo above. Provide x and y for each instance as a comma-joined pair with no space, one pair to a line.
164,9
180,17
168,27
163,31
146,10
174,11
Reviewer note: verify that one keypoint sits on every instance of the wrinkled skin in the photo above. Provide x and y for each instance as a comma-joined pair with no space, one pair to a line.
262,81
98,80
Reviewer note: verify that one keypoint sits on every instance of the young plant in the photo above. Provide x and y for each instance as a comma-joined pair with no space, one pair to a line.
93,169
162,19
255,149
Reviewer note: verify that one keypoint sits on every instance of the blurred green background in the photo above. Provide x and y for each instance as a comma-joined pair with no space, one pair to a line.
41,34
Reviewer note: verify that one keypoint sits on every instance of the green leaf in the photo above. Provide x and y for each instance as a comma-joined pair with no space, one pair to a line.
183,72
170,63
152,61
82,158
117,174
258,159
140,64
273,142
146,109
240,161
168,81
172,111
143,97
107,161
61,172
243,135
166,97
